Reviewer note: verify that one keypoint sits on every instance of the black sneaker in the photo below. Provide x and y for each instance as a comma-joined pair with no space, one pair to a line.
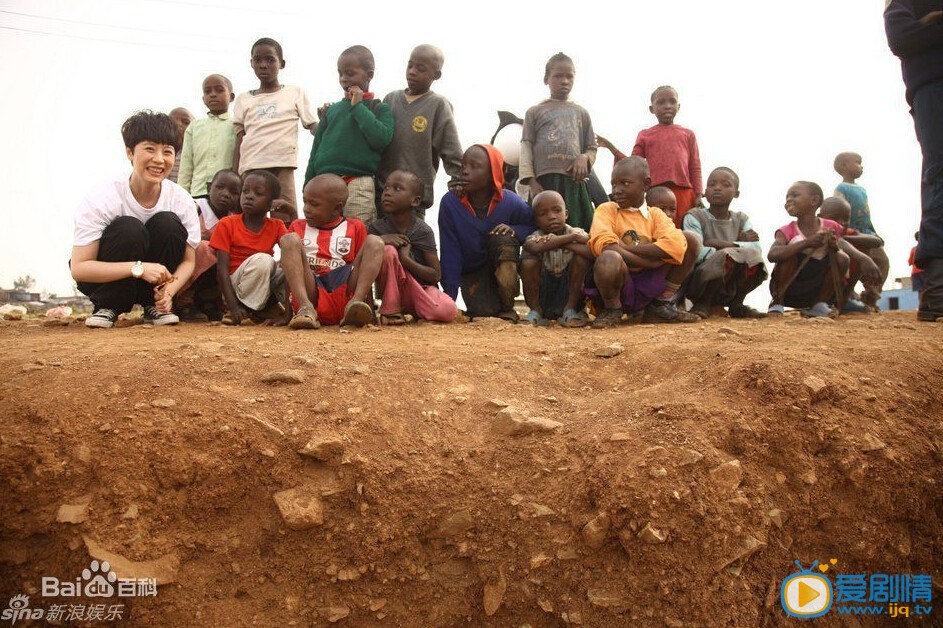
153,316
103,318
664,312
609,317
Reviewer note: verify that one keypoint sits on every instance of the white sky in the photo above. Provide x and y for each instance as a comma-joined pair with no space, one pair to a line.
773,90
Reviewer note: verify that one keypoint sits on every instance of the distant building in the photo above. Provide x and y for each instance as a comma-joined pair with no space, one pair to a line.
18,296
902,298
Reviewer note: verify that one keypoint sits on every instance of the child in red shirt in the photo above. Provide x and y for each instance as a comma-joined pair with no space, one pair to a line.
248,275
329,261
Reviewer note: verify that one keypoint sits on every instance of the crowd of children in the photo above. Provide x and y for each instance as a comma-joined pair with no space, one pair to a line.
204,248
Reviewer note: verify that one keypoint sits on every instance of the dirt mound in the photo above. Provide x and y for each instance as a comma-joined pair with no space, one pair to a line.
481,474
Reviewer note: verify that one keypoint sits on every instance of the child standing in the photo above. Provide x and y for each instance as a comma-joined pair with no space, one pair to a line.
671,151
836,208
330,262
811,257
641,257
208,144
266,123
424,128
848,165
183,118
554,264
410,273
248,275
558,146
481,232
730,264
353,135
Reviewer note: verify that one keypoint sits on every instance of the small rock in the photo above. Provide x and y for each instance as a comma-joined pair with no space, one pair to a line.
658,472
57,322
354,410
321,407
32,367
610,351
539,560
323,448
609,600
872,443
300,507
869,397
822,320
456,524
131,512
620,436
459,399
729,331
494,594
512,422
746,547
727,477
334,613
776,517
164,403
74,513
360,369
164,569
284,376
498,403
690,456
809,477
816,386
14,315
652,535
377,604
596,530
348,574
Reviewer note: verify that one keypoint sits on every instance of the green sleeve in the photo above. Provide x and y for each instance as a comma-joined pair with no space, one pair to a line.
310,171
376,125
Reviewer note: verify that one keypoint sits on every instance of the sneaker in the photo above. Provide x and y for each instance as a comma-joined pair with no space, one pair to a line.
775,309
664,312
609,317
102,318
153,316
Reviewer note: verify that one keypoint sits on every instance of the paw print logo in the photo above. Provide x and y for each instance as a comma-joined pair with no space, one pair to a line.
19,602
99,578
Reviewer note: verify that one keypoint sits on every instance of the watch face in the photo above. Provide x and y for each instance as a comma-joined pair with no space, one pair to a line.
137,270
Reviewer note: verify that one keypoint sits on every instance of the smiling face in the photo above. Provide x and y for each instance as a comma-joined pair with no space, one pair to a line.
800,200
665,105
266,63
560,79
257,197
351,73
629,183
721,188
217,94
150,162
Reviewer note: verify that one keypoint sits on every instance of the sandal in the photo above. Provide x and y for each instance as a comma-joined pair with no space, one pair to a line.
303,320
535,318
357,314
509,316
609,317
701,310
574,319
395,319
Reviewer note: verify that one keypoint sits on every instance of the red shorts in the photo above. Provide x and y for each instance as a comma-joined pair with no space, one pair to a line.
333,295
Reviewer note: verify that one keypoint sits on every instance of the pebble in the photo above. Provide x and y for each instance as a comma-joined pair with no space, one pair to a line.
609,351
652,535
74,513
300,507
776,517
609,600
131,512
872,443
596,530
690,456
360,369
727,477
620,436
816,386
32,367
284,376
512,422
729,331
334,613
322,448
456,524
164,403
494,594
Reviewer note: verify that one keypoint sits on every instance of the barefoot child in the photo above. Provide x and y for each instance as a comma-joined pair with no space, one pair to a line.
848,165
481,233
248,275
837,208
266,123
730,264
424,128
641,257
330,262
671,151
811,257
208,144
554,264
353,135
410,274
558,146
664,199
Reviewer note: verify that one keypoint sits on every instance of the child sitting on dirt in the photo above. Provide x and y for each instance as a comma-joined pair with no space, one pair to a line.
410,273
641,257
247,272
838,209
554,264
481,233
730,264
223,200
811,256
664,199
330,262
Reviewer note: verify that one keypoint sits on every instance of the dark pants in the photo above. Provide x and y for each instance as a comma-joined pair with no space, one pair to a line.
162,239
481,288
928,121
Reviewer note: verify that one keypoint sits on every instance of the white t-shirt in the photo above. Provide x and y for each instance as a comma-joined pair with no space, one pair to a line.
114,199
270,122
209,216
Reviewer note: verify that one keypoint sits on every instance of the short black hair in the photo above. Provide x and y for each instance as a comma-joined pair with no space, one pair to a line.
736,177
149,126
418,186
635,163
816,190
223,78
225,172
268,41
274,187
364,57
557,58
659,88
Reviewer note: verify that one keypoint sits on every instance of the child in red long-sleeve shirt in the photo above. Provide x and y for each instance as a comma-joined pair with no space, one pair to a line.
671,151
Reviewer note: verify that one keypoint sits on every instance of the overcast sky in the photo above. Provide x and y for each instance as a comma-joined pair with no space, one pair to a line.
773,90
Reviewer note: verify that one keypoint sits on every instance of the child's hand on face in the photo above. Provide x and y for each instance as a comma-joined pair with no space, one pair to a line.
355,94
579,168
395,239
502,229
748,236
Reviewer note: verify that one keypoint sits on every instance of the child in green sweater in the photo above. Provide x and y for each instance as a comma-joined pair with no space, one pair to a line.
353,134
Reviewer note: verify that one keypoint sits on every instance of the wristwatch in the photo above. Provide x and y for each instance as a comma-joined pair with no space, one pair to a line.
137,269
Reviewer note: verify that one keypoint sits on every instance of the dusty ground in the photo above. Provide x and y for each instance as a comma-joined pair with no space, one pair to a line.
432,513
